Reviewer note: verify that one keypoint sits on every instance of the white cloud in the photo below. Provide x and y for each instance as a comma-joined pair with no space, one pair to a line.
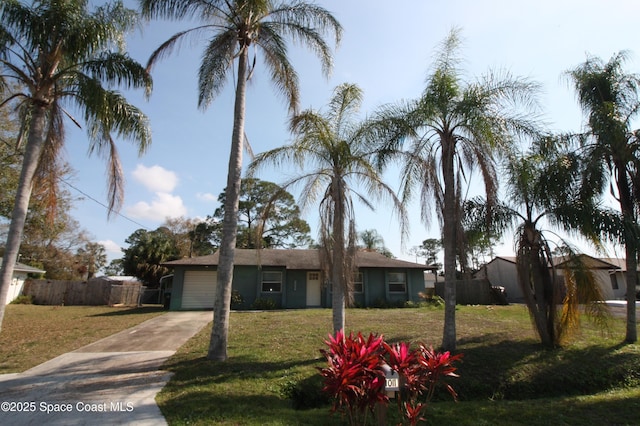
156,178
163,206
111,247
206,196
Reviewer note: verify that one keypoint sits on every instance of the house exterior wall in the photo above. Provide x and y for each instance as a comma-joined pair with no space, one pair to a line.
247,280
503,273
296,289
604,280
375,285
16,286
621,278
415,284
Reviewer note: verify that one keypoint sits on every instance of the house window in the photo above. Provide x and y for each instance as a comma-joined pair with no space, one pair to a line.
357,282
614,281
271,282
397,282
314,276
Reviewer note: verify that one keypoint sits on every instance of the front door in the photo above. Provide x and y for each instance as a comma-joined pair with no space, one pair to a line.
313,289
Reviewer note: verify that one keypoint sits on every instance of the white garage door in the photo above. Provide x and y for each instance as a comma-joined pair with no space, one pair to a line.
199,289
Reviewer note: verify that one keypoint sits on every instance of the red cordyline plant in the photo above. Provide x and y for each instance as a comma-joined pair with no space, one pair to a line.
355,375
420,370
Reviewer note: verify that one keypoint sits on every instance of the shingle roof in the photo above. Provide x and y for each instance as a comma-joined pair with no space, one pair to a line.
591,262
21,267
295,259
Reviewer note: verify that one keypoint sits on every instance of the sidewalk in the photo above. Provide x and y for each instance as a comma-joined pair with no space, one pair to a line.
113,381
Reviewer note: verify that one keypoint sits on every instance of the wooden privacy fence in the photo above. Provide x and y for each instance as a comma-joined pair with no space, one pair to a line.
473,292
94,292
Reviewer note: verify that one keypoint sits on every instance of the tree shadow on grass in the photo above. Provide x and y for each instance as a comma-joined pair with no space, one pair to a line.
120,311
518,370
204,371
493,367
234,408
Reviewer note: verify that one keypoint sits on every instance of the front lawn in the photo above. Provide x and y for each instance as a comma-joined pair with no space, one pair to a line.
505,377
33,334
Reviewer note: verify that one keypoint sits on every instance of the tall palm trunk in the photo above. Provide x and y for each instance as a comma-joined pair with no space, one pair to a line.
220,331
449,244
631,252
338,258
536,283
30,161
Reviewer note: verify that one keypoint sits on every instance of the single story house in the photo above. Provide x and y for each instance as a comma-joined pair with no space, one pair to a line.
608,272
293,279
20,274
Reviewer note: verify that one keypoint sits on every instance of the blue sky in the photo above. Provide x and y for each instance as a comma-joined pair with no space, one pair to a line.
387,49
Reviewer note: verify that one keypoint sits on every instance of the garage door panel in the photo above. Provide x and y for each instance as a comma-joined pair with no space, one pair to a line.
199,290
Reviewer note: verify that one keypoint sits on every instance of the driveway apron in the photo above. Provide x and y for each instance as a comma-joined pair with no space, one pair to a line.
113,381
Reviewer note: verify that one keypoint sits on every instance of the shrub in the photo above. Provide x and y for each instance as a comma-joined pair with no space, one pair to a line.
23,300
236,299
263,304
305,393
431,300
355,377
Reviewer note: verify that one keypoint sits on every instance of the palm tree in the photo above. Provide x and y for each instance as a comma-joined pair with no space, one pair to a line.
333,151
610,99
236,26
371,240
61,54
453,129
541,188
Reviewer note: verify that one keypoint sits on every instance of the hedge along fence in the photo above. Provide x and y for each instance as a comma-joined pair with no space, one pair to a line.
94,292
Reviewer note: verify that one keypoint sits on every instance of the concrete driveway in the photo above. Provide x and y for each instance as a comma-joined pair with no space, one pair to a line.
113,381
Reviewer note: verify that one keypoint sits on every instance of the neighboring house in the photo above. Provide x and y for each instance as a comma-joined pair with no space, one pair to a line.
608,272
20,273
120,279
293,279
501,272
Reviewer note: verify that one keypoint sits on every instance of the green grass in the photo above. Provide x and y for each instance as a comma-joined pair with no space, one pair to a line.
505,377
33,334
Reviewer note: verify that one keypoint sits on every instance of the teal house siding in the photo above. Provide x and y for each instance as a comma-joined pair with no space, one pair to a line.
245,282
375,294
284,275
358,300
175,303
415,284
296,294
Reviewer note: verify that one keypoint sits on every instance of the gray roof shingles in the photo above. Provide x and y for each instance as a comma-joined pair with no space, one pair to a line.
295,259
21,267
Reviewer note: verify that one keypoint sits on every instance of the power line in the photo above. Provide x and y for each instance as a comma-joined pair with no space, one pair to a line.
101,203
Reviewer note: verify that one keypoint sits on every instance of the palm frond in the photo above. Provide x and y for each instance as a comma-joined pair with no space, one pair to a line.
283,74
50,162
308,23
173,43
182,9
117,69
216,62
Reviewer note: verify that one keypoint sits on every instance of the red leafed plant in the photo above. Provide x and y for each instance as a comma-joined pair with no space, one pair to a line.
420,370
354,376
436,366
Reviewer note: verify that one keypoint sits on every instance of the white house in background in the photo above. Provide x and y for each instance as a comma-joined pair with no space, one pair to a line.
501,272
609,273
20,273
